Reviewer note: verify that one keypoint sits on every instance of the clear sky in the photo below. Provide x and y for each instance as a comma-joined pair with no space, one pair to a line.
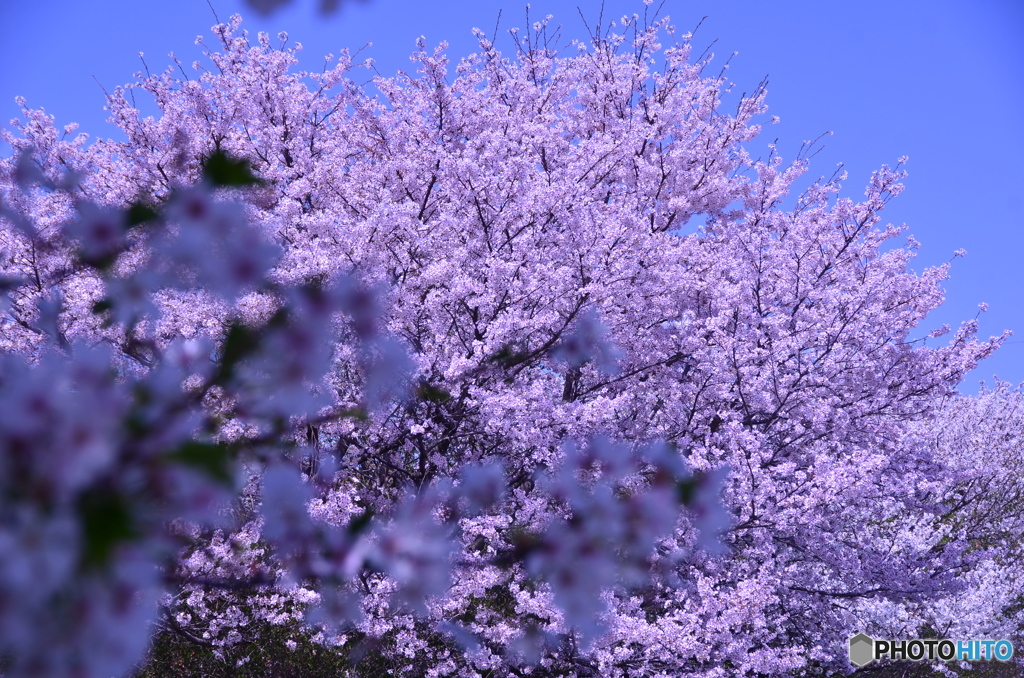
941,81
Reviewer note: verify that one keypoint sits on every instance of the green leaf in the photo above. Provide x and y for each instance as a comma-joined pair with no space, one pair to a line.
239,342
686,491
140,213
106,522
432,393
213,459
360,522
222,170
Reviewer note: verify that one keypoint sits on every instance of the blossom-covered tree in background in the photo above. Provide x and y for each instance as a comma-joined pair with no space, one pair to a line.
517,311
978,441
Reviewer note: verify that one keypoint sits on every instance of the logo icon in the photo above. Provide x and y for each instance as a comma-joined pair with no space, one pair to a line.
862,650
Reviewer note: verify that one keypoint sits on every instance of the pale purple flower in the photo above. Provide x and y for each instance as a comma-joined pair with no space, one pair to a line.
588,341
99,231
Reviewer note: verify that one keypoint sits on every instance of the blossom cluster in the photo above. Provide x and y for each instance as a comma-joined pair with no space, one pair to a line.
115,469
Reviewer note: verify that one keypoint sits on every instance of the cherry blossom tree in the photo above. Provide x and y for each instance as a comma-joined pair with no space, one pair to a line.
426,371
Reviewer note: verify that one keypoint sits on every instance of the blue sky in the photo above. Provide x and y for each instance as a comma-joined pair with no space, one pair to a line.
941,81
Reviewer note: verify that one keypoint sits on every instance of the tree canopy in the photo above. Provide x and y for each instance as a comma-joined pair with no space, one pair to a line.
518,365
